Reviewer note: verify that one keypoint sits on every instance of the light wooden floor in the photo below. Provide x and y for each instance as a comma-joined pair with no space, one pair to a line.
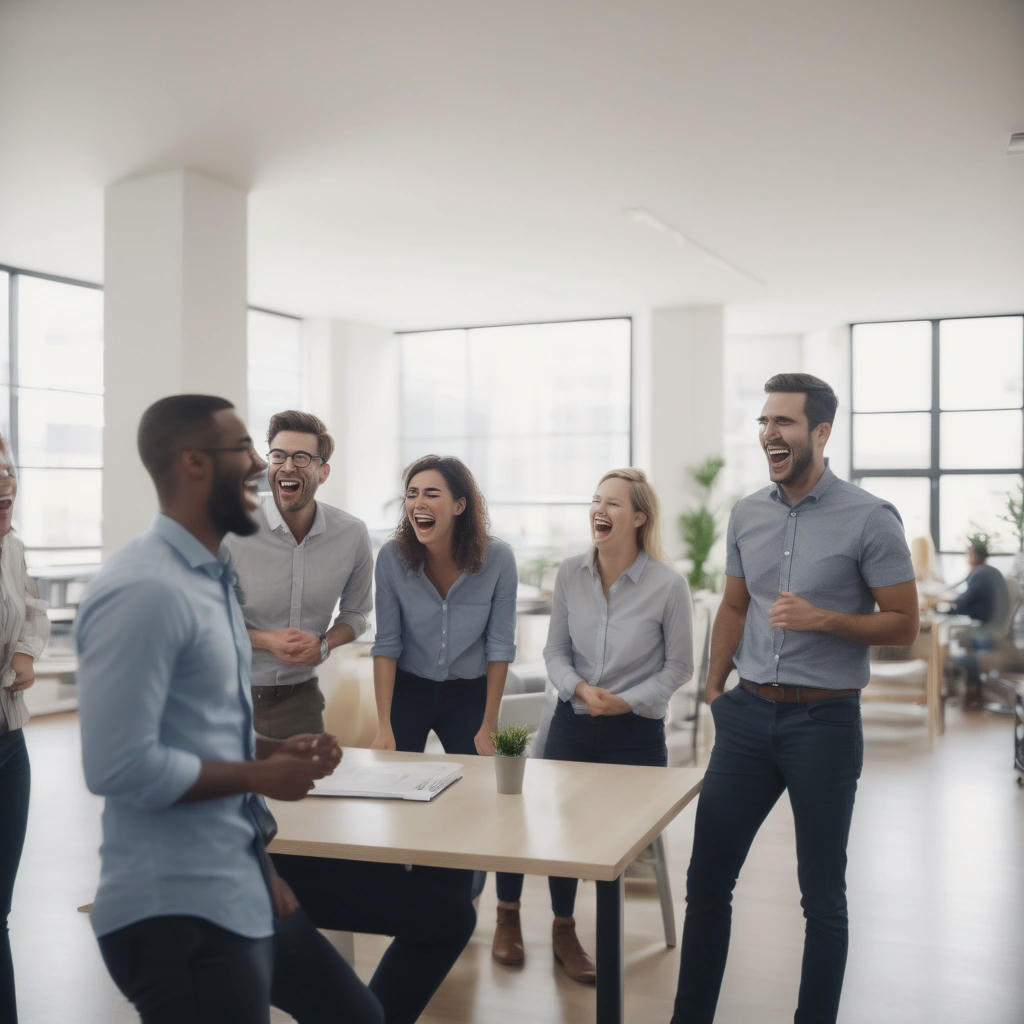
936,883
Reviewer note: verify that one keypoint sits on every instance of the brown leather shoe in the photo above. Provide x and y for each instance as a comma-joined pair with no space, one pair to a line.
569,953
507,947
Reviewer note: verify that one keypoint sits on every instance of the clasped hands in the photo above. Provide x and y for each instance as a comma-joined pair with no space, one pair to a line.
293,765
294,646
601,702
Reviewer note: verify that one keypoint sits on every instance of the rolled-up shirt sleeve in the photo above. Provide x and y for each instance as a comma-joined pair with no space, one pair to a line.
357,595
650,696
388,641
500,634
129,638
558,649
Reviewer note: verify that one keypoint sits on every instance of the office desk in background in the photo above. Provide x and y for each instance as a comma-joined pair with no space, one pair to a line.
576,820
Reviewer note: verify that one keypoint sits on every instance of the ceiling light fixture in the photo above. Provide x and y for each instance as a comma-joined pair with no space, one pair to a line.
1016,146
642,216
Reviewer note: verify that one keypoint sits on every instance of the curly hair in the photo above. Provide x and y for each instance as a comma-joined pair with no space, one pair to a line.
469,537
645,500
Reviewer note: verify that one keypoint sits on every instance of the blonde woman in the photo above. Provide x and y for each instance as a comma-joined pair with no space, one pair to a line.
24,629
619,645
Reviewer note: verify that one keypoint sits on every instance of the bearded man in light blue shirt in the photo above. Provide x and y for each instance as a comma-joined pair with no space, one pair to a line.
186,905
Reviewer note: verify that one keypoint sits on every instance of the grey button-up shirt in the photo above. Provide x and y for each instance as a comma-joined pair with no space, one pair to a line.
284,584
637,643
832,548
453,637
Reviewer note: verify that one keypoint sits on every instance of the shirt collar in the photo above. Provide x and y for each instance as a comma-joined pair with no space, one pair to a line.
191,549
817,492
635,572
277,523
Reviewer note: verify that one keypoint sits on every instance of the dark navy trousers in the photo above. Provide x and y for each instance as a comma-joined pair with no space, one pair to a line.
815,752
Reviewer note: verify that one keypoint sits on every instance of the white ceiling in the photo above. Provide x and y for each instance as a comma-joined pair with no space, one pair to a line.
462,161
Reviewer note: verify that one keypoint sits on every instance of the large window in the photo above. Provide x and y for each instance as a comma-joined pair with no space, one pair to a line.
276,369
537,411
54,415
51,405
938,424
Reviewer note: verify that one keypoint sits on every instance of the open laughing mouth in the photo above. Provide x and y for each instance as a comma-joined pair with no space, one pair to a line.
777,454
602,527
423,521
288,486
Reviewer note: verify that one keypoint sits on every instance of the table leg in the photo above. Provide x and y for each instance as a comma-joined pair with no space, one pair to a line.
610,1006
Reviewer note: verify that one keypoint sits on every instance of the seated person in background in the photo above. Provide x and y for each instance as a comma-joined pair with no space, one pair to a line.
987,600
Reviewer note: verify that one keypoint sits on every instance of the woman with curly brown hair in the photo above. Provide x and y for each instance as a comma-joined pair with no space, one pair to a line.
446,606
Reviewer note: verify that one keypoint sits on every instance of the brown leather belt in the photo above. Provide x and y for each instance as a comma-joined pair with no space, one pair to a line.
786,694
274,694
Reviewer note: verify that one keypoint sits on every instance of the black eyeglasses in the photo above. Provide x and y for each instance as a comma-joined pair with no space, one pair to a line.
300,460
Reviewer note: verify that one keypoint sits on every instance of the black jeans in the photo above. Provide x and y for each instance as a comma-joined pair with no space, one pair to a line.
15,779
602,739
182,968
178,969
454,709
816,751
427,910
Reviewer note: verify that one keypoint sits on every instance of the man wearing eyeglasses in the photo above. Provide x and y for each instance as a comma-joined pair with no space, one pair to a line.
305,557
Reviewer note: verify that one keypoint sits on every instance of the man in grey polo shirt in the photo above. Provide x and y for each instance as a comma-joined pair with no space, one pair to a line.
817,570
305,557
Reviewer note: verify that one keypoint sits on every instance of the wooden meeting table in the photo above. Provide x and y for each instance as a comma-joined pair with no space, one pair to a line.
576,820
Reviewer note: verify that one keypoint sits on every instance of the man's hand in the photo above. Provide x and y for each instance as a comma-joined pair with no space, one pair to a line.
482,740
601,702
24,671
281,895
384,740
292,646
711,693
792,612
285,776
322,747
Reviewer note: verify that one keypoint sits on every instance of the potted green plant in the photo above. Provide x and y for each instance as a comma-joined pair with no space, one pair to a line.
510,744
699,528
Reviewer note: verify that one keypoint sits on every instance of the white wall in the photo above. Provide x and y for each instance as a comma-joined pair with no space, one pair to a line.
353,387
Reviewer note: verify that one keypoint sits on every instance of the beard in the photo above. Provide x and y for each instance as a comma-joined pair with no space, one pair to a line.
801,465
227,509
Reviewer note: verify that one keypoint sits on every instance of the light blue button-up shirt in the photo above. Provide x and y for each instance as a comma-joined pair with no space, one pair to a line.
453,637
163,684
637,643
832,548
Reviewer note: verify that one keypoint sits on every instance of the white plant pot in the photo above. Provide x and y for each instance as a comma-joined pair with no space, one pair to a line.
508,773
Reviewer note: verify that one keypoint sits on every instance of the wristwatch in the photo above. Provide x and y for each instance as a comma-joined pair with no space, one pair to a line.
325,648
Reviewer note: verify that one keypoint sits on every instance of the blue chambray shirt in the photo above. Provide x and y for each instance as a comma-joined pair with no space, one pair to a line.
831,548
163,684
446,638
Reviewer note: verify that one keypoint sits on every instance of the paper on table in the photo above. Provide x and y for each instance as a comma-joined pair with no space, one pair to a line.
397,780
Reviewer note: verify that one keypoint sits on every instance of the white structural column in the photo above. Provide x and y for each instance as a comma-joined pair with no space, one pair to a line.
353,386
174,318
678,403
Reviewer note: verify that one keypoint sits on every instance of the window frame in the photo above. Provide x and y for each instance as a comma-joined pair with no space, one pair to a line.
933,472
